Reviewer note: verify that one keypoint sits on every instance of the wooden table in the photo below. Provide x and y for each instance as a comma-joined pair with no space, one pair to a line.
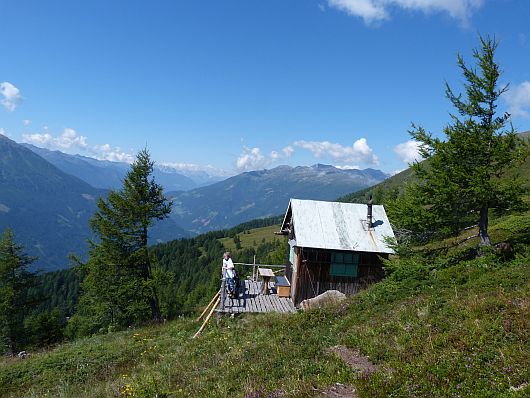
266,274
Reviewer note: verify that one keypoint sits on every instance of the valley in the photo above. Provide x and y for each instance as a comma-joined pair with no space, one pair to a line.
48,197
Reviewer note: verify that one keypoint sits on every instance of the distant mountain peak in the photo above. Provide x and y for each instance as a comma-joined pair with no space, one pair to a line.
261,193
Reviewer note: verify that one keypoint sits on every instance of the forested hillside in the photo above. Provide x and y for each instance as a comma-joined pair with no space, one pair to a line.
190,270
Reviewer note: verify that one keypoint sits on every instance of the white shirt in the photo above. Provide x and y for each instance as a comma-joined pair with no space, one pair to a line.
228,268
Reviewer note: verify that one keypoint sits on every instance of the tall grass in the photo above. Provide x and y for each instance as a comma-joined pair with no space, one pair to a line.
461,330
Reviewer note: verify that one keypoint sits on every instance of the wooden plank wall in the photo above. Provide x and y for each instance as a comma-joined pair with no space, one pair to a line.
313,274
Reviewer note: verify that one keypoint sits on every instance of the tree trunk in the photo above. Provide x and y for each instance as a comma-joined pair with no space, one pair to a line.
155,309
483,227
146,273
153,299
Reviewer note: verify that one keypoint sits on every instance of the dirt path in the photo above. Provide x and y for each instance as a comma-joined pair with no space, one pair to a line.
357,362
339,391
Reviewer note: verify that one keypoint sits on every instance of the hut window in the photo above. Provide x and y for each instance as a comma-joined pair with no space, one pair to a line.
344,264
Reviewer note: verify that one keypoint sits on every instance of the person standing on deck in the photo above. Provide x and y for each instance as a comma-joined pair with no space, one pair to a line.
228,270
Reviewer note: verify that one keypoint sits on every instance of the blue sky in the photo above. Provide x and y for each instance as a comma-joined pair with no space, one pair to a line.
245,84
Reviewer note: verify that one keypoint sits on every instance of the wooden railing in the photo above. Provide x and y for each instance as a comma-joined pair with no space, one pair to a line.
254,278
256,266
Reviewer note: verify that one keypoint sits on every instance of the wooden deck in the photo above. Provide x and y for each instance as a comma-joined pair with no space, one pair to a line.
252,300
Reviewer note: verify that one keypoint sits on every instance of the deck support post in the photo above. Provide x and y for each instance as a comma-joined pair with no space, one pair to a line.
223,294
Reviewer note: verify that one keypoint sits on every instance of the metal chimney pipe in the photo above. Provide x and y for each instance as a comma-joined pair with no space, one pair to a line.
369,216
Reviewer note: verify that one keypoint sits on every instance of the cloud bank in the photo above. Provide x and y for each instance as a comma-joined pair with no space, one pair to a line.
359,152
70,142
67,140
253,159
372,11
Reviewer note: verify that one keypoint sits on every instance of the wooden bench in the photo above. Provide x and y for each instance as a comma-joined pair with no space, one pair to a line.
283,287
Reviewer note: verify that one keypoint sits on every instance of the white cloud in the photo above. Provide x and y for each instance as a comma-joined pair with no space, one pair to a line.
518,99
113,154
359,152
26,122
408,152
369,10
285,153
3,132
70,142
66,141
11,96
347,167
379,10
288,151
192,167
251,159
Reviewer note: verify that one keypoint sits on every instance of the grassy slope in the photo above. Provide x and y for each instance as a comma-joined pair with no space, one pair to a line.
252,237
442,329
461,330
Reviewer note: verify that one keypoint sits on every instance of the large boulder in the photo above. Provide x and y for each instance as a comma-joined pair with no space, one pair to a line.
326,298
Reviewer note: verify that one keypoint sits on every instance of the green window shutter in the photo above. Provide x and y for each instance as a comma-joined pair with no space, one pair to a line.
336,269
344,264
351,270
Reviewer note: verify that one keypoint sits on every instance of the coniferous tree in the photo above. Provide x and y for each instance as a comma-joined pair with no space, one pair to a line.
461,181
119,288
15,280
45,328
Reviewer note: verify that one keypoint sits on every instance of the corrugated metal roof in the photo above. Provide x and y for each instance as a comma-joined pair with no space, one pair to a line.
338,226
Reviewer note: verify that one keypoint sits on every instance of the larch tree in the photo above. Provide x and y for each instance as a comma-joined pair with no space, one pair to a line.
119,288
465,175
15,281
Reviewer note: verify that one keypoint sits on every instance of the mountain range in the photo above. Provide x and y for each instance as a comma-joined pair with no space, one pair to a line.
47,197
49,209
109,175
264,193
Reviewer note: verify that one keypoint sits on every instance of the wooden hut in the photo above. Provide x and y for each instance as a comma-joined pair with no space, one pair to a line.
334,246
